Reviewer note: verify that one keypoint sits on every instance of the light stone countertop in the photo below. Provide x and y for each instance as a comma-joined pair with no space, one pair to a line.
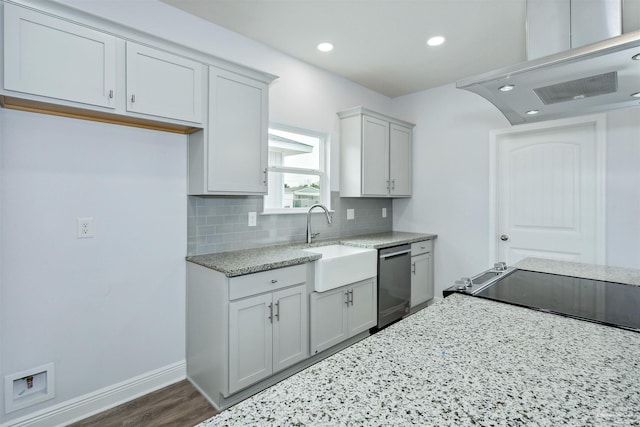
238,263
628,276
463,361
386,240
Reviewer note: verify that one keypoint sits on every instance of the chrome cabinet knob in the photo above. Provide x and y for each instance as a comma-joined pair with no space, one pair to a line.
504,237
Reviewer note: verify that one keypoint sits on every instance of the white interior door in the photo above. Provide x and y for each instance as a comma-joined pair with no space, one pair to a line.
549,191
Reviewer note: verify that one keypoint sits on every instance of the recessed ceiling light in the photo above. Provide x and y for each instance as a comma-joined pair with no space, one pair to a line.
636,57
506,88
533,112
636,95
435,41
325,47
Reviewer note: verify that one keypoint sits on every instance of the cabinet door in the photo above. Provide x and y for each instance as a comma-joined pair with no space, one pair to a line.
362,313
238,125
421,279
163,85
328,319
250,341
290,327
375,157
400,160
50,57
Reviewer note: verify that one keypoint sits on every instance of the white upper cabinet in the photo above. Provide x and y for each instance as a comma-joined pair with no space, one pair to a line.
400,160
58,60
164,85
54,58
375,155
230,156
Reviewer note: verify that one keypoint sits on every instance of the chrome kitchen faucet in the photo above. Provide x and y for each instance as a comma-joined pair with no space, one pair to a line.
311,235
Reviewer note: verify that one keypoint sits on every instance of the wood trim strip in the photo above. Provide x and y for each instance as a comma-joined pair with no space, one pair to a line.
96,116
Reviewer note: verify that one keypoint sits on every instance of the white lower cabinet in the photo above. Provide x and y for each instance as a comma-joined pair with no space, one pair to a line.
341,313
242,330
422,286
266,334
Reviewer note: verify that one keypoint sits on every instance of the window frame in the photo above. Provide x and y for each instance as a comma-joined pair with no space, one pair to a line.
322,172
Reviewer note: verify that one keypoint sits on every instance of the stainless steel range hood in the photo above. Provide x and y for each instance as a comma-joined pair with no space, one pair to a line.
598,77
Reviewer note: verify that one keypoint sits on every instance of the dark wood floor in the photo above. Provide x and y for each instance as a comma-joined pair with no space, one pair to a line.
179,405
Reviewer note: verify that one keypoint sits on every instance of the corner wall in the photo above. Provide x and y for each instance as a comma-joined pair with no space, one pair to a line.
451,180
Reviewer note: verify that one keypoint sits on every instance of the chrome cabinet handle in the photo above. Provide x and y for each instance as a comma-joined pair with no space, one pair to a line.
393,184
504,237
351,293
274,281
387,184
347,301
264,181
271,313
413,267
278,310
111,94
133,98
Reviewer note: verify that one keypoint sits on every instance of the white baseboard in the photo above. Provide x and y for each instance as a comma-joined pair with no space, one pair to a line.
92,403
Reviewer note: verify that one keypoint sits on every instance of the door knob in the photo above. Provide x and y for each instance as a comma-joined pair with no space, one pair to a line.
504,237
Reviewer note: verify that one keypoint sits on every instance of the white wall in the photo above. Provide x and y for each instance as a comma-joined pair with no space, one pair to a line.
623,188
103,309
107,309
450,177
451,180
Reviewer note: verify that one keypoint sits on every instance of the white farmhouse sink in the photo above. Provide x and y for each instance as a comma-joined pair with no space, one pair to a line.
341,265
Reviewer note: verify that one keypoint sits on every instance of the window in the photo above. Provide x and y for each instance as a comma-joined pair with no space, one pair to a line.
297,176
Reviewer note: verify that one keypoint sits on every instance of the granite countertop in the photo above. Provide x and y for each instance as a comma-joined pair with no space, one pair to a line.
386,240
628,276
238,263
463,361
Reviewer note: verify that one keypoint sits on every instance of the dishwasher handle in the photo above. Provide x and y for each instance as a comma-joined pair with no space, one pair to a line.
395,254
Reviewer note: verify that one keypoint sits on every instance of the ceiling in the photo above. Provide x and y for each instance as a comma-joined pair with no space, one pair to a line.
381,44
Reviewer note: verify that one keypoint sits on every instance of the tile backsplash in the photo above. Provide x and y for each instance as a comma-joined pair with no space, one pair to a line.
220,224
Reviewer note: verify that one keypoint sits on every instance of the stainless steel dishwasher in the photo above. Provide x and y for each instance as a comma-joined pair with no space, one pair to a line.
394,284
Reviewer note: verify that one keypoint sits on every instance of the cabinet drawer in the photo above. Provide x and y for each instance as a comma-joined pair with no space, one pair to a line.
266,281
418,248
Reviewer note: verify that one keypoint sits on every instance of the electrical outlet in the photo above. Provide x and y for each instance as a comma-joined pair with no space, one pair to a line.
252,219
85,228
384,212
350,214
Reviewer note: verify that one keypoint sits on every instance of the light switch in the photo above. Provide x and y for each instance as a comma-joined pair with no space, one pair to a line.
384,212
350,214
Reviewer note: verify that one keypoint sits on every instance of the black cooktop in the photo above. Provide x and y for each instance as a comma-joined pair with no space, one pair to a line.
610,303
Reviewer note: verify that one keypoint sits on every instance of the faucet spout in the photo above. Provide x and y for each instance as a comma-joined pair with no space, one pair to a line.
311,235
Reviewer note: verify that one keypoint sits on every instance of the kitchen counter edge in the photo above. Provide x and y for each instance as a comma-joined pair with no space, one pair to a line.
247,261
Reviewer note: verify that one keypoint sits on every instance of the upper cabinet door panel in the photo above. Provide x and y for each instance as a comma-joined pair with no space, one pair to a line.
400,160
51,57
375,156
238,122
163,85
